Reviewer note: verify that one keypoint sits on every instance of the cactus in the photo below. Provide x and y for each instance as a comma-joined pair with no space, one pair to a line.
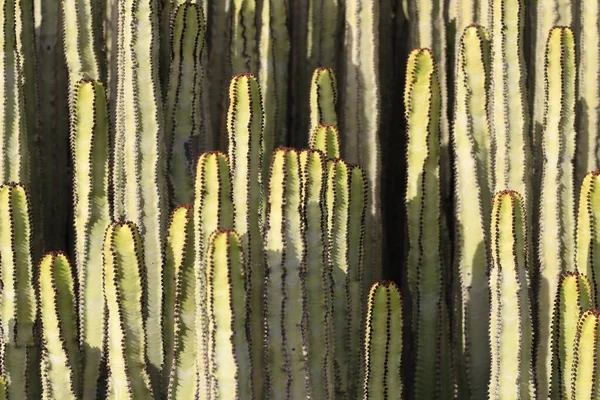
510,329
383,343
346,211
187,128
583,380
323,99
230,364
574,297
180,282
213,209
473,185
125,294
587,239
89,152
59,327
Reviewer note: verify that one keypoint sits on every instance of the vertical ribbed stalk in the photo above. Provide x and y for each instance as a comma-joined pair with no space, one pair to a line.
361,105
323,33
318,294
422,107
557,206
323,99
588,94
472,177
185,118
213,209
470,12
383,343
584,381
588,231
574,297
285,254
245,123
124,291
508,105
19,308
228,305
180,307
15,143
59,328
511,328
89,154
139,176
326,138
346,200
243,49
274,54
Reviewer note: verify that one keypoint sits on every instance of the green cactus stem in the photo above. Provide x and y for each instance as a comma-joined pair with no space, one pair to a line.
511,328
471,147
228,310
19,309
383,343
584,382
139,176
574,297
213,209
89,152
346,211
59,328
323,99
326,138
588,93
185,116
588,231
124,291
556,247
361,111
273,73
318,297
180,282
245,125
285,253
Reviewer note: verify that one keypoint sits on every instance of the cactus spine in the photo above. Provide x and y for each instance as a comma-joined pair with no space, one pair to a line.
557,211
89,151
59,327
584,384
383,343
139,173
470,142
588,231
326,139
511,328
125,295
212,209
180,282
574,297
227,304
186,119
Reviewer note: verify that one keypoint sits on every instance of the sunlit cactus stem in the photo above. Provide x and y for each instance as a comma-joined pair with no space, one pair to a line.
89,153
574,297
124,291
511,329
556,247
584,378
186,116
326,138
212,210
470,141
323,99
59,329
226,295
588,231
383,343
18,311
346,195
180,283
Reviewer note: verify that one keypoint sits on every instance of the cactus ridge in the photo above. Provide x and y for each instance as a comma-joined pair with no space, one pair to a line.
323,99
585,361
326,138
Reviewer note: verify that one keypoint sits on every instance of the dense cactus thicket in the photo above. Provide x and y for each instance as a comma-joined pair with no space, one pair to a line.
301,199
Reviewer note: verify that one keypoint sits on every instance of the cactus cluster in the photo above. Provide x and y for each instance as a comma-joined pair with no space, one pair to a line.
308,199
